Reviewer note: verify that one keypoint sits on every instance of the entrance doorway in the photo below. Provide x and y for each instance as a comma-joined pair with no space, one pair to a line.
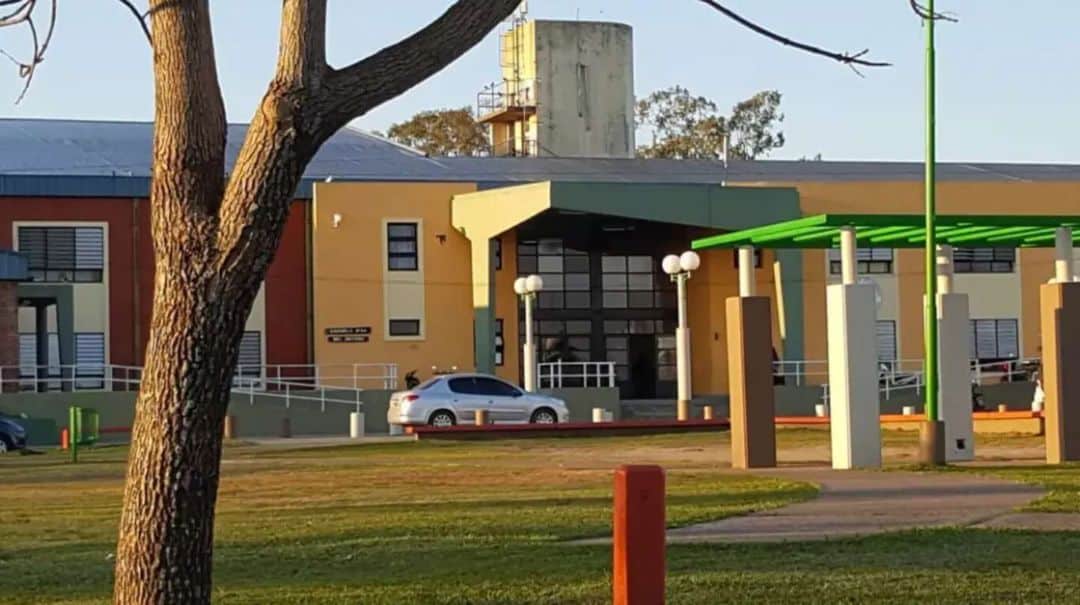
642,356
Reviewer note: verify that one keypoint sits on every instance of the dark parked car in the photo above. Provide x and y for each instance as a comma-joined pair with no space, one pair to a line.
12,434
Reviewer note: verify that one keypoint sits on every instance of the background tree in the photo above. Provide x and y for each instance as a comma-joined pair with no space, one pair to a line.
685,126
214,236
443,132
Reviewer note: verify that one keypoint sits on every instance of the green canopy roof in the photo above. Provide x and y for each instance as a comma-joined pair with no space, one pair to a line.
900,231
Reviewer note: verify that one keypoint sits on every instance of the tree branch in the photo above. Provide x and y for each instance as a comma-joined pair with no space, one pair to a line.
924,13
24,13
354,90
141,18
851,59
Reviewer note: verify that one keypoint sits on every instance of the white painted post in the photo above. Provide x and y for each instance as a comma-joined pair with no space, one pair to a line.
529,354
356,425
598,414
1063,263
848,263
747,283
682,351
945,269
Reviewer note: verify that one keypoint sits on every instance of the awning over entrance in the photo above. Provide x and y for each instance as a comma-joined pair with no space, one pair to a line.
484,215
900,231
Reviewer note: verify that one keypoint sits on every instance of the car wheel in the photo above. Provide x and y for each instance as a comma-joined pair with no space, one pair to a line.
442,418
544,416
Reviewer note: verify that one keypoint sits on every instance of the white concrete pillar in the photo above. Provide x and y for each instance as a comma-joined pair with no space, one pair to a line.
954,376
849,266
1063,262
747,283
945,269
356,425
854,405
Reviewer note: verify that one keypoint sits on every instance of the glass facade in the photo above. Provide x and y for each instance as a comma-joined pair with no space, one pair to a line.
603,301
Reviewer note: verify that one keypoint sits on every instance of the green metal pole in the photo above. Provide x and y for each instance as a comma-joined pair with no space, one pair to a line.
73,432
931,327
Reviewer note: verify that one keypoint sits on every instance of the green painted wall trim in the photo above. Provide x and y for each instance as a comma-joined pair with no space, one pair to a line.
65,314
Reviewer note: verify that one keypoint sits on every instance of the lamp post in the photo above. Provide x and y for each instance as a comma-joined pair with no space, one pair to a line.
527,288
932,441
679,268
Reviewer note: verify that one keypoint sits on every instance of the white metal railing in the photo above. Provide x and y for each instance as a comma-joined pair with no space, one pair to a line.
353,375
575,374
327,384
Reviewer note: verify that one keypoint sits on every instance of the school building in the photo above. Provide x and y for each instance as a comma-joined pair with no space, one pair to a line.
392,257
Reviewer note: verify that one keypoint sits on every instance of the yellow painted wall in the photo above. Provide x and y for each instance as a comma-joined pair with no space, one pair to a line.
348,275
715,282
506,308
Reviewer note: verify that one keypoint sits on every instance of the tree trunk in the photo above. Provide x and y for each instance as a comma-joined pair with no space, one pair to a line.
213,242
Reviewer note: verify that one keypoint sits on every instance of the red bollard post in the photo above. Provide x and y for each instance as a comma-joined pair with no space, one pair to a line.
64,438
639,541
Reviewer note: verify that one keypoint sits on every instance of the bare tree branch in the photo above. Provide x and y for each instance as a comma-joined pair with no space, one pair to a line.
352,91
851,59
140,17
24,14
924,13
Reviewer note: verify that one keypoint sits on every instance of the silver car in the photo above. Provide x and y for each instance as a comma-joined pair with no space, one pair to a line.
455,398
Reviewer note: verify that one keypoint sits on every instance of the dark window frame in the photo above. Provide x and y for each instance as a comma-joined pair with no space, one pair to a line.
61,263
500,343
997,323
984,260
868,261
400,322
414,239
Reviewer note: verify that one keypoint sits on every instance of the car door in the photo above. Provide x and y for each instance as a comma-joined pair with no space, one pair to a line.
507,401
466,398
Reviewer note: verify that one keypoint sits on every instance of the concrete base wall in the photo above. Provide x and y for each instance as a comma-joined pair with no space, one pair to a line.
258,416
582,401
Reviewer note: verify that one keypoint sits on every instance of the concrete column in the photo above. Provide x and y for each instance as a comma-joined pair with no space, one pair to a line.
849,267
753,410
945,269
483,294
9,336
41,337
1060,323
1063,261
954,377
853,374
528,354
747,283
356,425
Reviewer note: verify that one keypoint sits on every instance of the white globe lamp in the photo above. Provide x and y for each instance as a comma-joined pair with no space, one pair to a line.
689,261
534,283
519,286
670,264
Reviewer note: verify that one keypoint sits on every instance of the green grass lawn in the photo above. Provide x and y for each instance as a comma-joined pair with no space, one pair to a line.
485,523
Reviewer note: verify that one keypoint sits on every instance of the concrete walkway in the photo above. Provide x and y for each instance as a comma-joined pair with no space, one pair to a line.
859,503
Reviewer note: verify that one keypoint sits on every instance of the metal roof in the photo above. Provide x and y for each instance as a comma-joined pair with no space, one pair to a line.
900,231
95,158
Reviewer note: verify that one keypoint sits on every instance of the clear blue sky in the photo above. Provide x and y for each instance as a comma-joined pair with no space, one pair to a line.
1007,88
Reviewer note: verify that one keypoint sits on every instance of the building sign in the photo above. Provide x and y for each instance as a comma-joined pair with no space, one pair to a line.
348,334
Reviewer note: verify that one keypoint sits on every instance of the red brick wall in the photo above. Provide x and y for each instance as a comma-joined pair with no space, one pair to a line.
131,272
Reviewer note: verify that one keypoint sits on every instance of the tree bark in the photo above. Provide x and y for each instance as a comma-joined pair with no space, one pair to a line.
213,242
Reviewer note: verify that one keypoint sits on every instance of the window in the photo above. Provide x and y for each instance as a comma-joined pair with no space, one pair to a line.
757,258
984,260
886,340
994,339
463,386
90,360
496,252
634,282
565,272
404,327
402,251
494,388
872,261
500,344
64,254
89,372
561,340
